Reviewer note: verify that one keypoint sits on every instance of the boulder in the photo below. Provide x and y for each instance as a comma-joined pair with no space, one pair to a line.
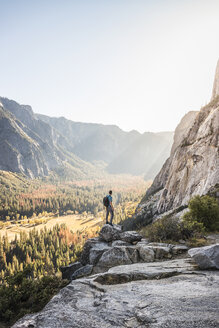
82,272
206,257
93,243
133,253
162,252
130,236
110,233
96,251
68,270
112,257
146,253
181,300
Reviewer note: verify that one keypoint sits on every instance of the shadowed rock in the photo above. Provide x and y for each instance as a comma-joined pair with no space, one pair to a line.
67,271
93,243
206,257
82,272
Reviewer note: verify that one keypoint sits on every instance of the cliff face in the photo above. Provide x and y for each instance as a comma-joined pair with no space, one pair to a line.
216,82
193,166
18,151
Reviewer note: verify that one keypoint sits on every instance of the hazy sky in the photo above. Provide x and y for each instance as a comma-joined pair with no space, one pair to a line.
135,63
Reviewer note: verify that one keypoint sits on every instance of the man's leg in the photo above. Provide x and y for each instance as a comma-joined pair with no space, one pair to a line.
112,215
107,214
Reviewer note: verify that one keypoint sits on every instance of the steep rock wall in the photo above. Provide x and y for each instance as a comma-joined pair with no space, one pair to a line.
215,91
193,166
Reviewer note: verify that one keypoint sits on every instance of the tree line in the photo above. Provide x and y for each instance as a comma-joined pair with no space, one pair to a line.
62,199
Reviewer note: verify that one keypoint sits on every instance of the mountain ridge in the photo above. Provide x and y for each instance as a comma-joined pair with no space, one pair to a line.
62,142
102,143
46,151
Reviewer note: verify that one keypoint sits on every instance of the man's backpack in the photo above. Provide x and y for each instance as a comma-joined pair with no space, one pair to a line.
106,201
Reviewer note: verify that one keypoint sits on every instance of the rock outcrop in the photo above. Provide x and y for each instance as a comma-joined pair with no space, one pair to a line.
168,294
131,287
206,257
114,247
215,91
193,166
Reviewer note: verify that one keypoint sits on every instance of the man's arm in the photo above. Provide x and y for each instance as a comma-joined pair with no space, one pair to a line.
111,204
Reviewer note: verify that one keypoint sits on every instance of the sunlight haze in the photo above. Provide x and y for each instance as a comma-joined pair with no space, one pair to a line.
137,64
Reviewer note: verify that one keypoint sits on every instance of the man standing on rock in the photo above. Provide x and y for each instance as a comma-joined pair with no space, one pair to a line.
109,208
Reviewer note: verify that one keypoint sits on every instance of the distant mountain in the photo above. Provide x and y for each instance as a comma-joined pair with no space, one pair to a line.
35,144
31,146
92,141
124,152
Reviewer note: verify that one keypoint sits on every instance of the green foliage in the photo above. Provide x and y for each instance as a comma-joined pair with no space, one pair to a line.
20,197
22,294
45,251
203,214
29,268
165,229
197,242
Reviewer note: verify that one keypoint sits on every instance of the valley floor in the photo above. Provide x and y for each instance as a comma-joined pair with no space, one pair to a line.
75,223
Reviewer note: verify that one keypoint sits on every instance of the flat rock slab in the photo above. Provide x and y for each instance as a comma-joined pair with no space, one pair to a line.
143,271
182,301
